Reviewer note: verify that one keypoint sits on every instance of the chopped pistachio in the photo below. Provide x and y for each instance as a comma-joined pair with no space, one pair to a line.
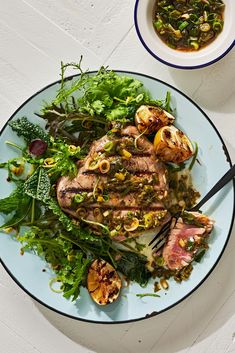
100,199
120,176
157,287
164,283
125,153
8,229
113,233
182,243
106,213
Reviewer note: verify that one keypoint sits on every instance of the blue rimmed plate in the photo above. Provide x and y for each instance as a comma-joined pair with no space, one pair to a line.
27,270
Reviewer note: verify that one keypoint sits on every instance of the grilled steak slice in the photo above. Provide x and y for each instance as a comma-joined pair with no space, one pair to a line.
119,183
187,239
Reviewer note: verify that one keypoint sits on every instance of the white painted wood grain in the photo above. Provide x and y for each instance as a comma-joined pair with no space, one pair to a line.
93,23
23,329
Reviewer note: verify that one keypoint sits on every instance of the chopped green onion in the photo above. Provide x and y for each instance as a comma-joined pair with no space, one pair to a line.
217,26
168,8
139,98
195,45
194,18
78,198
158,24
183,25
205,16
194,157
212,17
109,146
167,102
199,255
147,295
52,282
175,14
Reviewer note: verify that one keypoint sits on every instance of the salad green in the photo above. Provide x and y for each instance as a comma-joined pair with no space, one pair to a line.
86,107
83,110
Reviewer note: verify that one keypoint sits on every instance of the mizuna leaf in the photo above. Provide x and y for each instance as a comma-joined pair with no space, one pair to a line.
11,202
19,215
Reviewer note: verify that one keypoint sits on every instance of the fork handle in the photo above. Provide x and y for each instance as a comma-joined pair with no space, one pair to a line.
218,186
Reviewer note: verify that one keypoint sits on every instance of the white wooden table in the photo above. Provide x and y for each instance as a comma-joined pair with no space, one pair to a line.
35,35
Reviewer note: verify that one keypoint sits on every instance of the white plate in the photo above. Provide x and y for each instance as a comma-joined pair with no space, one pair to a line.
214,162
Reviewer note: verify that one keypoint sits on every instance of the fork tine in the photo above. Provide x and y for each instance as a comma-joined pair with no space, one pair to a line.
164,233
161,239
160,244
162,230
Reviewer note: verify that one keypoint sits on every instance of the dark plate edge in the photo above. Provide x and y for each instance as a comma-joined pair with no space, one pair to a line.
171,64
222,251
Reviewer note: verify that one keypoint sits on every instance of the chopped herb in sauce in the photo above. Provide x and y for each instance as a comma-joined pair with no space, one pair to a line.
188,25
148,295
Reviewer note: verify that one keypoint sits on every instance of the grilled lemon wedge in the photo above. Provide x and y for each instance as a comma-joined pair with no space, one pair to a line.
103,282
172,145
149,119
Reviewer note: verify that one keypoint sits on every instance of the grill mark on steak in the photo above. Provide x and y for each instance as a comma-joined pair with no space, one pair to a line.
119,208
135,164
132,199
133,172
144,183
74,190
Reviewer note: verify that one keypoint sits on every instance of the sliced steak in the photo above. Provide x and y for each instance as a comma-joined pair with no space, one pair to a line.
186,239
133,185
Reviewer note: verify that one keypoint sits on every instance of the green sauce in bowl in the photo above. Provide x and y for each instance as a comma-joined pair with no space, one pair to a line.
188,25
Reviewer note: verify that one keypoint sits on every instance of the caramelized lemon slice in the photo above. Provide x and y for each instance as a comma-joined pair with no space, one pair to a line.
172,145
103,282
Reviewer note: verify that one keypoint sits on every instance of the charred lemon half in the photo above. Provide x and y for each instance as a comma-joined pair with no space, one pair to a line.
103,282
149,119
172,145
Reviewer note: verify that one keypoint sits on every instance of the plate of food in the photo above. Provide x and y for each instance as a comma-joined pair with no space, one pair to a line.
92,168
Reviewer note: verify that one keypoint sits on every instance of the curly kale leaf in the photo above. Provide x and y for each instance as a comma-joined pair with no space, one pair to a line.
38,185
28,130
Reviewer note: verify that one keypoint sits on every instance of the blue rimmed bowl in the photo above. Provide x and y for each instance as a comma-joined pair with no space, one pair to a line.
143,18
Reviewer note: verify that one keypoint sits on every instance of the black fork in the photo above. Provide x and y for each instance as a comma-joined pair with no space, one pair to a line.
161,236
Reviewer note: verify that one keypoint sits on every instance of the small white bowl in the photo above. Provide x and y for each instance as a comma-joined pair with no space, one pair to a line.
143,16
